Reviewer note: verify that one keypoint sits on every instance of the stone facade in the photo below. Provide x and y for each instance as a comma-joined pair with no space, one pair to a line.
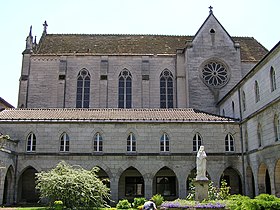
209,73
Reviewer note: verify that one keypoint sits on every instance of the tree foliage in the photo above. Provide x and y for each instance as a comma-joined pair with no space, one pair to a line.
73,185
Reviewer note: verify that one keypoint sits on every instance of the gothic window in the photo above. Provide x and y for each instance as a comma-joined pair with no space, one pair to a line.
197,141
229,143
134,186
98,143
272,79
131,143
243,101
215,74
164,143
166,185
166,89
125,89
31,143
257,91
83,89
277,127
223,113
64,142
259,134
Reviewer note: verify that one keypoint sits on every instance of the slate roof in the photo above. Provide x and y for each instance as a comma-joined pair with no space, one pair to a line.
4,104
109,115
251,50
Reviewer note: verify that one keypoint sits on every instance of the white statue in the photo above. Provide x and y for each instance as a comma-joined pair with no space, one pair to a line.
201,164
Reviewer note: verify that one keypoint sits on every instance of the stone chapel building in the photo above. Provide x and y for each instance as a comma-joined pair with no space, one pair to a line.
139,107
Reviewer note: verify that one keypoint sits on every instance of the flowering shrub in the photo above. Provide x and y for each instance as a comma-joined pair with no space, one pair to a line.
214,193
209,206
185,204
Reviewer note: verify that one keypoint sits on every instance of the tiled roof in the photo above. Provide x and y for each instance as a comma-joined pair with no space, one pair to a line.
251,50
110,115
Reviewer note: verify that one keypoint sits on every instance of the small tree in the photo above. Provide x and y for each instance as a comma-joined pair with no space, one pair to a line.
73,185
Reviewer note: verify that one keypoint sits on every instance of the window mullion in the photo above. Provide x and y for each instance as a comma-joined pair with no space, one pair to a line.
97,142
166,93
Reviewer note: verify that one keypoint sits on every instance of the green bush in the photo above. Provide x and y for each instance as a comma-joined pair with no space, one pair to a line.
266,201
158,199
138,202
123,204
72,185
260,202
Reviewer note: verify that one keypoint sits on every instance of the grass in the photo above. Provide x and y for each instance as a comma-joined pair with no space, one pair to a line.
26,208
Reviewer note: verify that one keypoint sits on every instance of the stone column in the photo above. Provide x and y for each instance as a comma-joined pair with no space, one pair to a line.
148,187
114,187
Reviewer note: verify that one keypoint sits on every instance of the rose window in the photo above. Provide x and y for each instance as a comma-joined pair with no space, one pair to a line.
215,74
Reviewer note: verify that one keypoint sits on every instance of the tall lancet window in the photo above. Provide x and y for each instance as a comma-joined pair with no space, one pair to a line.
197,141
98,143
31,143
272,79
64,143
83,89
257,91
131,143
164,143
125,89
166,89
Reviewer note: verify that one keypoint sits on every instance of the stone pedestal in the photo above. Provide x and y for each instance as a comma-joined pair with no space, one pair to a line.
201,189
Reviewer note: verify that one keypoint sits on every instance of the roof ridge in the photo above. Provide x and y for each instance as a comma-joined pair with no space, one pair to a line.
169,35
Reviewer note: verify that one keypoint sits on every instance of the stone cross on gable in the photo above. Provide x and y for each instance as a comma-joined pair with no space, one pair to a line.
45,27
210,9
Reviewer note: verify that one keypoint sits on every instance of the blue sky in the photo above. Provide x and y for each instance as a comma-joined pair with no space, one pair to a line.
252,18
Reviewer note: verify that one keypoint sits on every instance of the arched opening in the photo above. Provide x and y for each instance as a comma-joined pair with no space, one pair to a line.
26,186
250,182
233,180
165,183
131,184
8,187
103,176
277,179
264,183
